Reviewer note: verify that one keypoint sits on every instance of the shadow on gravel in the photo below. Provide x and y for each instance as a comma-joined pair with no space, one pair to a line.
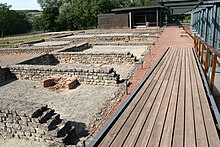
7,82
81,131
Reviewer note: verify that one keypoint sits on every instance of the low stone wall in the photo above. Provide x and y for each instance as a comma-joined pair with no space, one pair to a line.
96,58
123,43
152,31
31,121
27,50
75,48
85,75
30,43
95,39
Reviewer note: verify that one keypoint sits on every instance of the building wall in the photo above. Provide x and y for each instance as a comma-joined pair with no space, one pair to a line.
113,21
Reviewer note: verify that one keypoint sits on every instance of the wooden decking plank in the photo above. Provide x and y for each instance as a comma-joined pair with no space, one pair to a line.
154,139
211,131
166,138
123,118
201,138
189,114
178,138
119,140
143,119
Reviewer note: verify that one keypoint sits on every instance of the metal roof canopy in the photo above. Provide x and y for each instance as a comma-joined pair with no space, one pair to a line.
138,8
183,6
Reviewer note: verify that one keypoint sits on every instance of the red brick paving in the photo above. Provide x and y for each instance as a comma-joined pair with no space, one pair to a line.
171,37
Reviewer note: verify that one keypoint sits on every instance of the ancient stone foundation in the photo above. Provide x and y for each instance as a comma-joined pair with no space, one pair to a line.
75,48
31,121
96,58
85,75
94,39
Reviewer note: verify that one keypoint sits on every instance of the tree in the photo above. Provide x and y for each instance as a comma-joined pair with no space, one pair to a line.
79,14
12,22
4,8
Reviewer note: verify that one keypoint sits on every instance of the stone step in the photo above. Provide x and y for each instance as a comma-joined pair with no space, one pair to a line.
58,128
39,112
53,122
46,116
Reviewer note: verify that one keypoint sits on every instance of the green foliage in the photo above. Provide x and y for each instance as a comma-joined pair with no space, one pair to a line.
12,22
79,14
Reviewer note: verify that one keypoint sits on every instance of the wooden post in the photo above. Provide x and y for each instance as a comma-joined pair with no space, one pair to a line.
203,48
213,71
207,61
194,41
126,86
198,48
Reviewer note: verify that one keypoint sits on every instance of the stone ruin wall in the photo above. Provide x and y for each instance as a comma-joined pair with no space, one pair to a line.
36,122
95,39
27,50
46,49
96,58
74,48
92,76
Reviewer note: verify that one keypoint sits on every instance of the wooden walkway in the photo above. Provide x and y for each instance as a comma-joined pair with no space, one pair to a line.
171,109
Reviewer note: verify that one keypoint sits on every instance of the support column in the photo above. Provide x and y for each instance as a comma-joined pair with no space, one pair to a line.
130,20
216,28
206,23
157,17
213,26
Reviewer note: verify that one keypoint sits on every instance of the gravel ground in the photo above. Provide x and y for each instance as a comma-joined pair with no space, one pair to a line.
20,143
80,104
12,59
51,43
124,70
136,50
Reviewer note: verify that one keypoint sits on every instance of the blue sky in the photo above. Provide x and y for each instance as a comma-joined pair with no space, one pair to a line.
22,4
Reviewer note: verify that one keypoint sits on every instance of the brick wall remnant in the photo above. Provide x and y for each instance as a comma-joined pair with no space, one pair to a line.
32,121
85,75
59,83
96,58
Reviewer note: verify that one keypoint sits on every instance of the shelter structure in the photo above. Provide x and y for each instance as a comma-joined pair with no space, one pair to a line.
133,17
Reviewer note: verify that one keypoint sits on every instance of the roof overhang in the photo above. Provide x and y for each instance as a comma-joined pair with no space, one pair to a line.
137,8
185,6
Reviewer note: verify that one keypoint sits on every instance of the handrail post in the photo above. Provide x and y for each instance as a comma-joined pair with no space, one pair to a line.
199,44
213,71
203,48
194,41
207,61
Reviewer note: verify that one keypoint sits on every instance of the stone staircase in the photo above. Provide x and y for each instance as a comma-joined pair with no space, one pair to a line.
35,122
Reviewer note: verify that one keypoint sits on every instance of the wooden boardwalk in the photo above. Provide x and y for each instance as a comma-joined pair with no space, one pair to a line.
171,109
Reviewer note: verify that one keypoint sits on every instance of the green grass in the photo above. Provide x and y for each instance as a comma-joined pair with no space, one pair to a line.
13,40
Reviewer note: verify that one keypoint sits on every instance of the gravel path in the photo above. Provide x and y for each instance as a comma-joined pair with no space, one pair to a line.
80,104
